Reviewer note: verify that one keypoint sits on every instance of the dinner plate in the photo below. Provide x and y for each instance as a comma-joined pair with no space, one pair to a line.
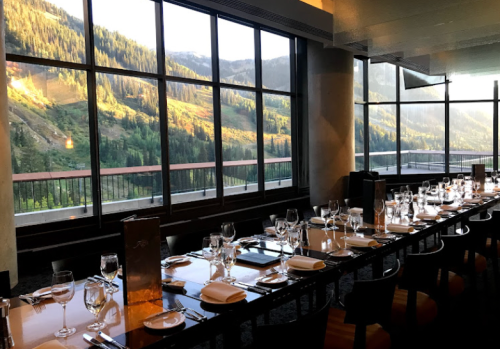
305,269
341,253
43,290
177,259
248,241
273,279
166,321
215,301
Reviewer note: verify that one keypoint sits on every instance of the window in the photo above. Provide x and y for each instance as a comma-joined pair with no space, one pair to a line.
359,136
383,157
358,81
275,62
461,87
382,82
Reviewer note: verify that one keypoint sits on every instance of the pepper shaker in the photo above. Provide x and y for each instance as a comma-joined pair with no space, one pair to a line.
6,340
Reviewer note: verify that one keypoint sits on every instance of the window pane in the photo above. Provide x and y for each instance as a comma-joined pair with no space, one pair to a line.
236,53
358,80
191,142
125,34
383,139
359,136
465,87
275,62
422,138
239,141
48,117
471,136
129,142
188,49
382,82
50,29
277,141
430,93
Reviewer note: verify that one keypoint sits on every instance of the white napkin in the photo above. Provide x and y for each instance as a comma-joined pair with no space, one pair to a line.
270,230
53,344
428,216
450,208
489,195
473,201
319,220
305,262
361,242
357,210
222,292
399,228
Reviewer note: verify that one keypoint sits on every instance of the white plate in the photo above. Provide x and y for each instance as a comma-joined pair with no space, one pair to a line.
345,254
304,269
273,279
215,301
177,259
43,290
166,321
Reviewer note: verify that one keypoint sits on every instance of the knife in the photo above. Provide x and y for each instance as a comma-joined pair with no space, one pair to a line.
191,254
251,289
94,341
111,340
267,289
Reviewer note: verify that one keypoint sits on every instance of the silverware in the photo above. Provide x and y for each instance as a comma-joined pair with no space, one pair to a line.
267,289
265,276
251,289
111,340
191,254
94,341
151,317
184,309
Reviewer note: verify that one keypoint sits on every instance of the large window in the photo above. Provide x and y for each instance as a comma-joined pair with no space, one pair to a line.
147,116
383,148
382,82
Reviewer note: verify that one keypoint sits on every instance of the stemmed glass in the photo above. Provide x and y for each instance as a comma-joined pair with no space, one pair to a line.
94,296
228,255
209,249
63,290
109,269
441,195
355,219
389,212
334,210
378,207
325,214
293,239
280,224
446,181
344,215
217,242
426,185
228,231
477,185
494,175
292,217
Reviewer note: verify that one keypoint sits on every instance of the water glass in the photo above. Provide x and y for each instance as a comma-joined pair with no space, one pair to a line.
334,210
216,244
355,220
426,185
325,214
389,212
63,290
228,231
293,239
292,217
494,175
378,207
228,255
94,296
209,251
109,269
281,225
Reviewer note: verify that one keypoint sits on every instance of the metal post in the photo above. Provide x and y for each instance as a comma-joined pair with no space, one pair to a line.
204,182
85,195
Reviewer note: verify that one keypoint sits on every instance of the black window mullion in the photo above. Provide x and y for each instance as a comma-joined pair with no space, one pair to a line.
447,127
495,126
366,117
293,111
398,124
259,105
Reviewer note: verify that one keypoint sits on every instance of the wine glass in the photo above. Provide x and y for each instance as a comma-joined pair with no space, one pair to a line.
228,254
355,220
334,210
109,269
292,217
378,207
426,185
477,185
494,175
63,290
281,225
94,296
325,214
441,196
446,181
209,250
228,231
216,244
344,217
389,212
293,238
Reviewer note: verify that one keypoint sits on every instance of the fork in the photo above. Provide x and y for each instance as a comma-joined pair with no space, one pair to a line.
184,309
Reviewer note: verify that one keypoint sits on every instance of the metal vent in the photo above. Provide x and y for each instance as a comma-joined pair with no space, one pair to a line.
270,16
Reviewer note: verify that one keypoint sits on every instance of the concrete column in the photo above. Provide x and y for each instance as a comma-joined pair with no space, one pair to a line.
8,249
331,121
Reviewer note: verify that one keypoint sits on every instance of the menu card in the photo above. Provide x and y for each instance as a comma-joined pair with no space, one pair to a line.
141,270
372,190
479,173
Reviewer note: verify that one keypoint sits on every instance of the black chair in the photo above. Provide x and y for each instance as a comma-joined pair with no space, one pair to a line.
310,332
81,266
5,284
187,241
492,245
248,228
317,211
354,202
479,229
361,322
450,283
273,218
355,186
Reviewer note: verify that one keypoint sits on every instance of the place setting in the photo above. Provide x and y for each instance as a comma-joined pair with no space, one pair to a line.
175,260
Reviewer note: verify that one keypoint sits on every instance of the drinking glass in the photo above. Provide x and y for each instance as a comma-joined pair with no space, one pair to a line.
293,239
94,296
477,185
109,269
403,189
334,210
398,197
209,250
228,255
389,212
426,185
441,195
344,217
63,290
355,219
378,207
494,175
325,214
228,231
421,203
487,184
421,190
216,244
292,217
446,181
460,176
281,225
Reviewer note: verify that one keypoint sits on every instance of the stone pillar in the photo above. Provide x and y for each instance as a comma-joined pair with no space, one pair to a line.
331,121
8,249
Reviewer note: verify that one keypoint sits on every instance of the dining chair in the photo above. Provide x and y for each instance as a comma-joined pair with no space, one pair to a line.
248,227
317,210
187,241
81,266
273,218
307,331
367,308
451,284
5,291
354,202
479,229
492,245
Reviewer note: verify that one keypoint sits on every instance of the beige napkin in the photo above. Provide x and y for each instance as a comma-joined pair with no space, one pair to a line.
496,189
361,242
305,262
399,228
428,216
450,208
270,230
357,210
222,292
488,195
390,203
53,344
473,201
319,220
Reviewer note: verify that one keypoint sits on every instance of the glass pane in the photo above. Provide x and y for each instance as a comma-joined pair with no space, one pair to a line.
471,136
358,80
239,141
383,139
188,49
50,29
191,142
382,82
129,143
466,87
125,34
49,132
236,53
359,137
275,62
277,141
422,138
430,93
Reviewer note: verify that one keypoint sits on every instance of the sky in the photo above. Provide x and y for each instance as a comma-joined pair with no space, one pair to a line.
135,19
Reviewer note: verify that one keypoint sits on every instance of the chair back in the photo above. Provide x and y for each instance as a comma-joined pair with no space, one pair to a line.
5,284
317,210
187,241
310,331
480,229
454,248
81,266
354,202
248,228
355,186
273,218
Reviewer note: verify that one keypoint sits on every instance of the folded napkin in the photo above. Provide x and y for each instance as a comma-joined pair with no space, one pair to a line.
270,230
488,195
390,203
496,189
428,216
473,201
399,228
319,220
360,242
357,210
306,262
450,208
222,292
53,344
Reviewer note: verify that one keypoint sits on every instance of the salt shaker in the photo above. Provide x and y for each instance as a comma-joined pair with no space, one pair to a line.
304,233
6,340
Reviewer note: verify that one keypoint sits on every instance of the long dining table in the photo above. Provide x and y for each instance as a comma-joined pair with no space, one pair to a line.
34,325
